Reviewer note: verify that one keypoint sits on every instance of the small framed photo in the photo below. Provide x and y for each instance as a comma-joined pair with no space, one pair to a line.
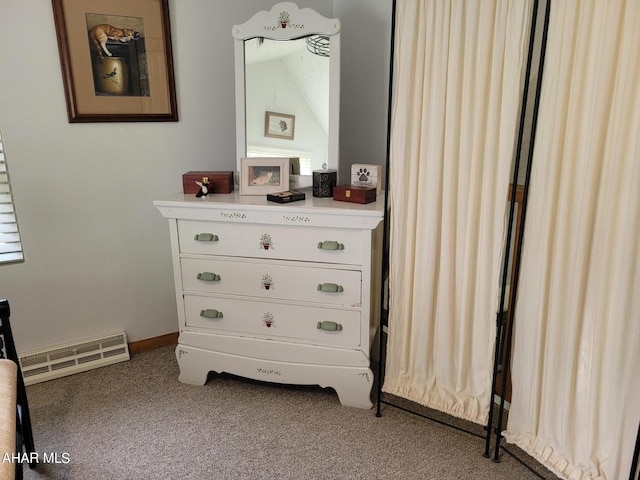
279,125
259,176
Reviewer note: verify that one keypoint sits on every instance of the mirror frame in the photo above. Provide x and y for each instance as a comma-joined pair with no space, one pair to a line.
301,23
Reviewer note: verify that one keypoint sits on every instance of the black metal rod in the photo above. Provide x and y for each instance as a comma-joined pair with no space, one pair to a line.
523,463
634,462
534,124
385,233
510,225
441,422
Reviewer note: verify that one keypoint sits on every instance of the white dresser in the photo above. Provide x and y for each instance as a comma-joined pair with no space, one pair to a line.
279,293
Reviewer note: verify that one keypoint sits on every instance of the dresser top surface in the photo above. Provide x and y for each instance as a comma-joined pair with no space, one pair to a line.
309,205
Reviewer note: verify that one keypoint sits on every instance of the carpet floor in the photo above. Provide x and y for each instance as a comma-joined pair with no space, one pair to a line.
135,420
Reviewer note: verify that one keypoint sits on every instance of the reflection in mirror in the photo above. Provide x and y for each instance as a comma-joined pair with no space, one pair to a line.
287,65
287,100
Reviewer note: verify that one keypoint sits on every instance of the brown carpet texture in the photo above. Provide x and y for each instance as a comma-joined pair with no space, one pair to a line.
135,420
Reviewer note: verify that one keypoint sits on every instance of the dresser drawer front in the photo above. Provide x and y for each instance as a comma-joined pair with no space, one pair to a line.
267,279
311,244
313,325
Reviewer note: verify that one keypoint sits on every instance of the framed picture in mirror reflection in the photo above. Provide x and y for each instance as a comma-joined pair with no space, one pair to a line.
279,125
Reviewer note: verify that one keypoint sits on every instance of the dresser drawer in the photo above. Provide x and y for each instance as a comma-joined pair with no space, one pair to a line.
268,279
327,245
261,319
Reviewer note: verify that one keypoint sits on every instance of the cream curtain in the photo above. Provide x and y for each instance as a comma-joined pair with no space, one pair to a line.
459,68
576,364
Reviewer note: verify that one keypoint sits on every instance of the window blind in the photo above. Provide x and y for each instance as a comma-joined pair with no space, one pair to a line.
10,246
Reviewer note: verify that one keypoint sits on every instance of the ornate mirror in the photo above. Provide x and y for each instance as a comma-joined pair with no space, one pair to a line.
287,66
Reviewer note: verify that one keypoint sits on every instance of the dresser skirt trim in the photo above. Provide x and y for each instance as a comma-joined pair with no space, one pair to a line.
352,383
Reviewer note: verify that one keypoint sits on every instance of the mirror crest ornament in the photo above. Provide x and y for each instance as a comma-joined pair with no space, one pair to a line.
308,46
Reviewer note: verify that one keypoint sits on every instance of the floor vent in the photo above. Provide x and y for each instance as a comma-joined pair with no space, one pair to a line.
64,360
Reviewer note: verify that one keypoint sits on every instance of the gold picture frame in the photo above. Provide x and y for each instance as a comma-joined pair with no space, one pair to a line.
116,60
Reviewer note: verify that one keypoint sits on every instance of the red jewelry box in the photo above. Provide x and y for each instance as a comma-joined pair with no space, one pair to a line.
354,194
219,182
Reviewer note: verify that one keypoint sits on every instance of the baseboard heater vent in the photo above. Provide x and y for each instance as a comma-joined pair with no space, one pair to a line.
64,360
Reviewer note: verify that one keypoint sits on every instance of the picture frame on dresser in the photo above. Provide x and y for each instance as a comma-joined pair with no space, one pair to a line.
263,175
116,60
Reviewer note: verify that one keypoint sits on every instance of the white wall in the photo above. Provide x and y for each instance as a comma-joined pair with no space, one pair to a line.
97,251
281,94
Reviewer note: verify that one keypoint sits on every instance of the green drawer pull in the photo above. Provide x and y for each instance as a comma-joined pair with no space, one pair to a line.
208,277
330,245
329,326
206,237
330,287
210,313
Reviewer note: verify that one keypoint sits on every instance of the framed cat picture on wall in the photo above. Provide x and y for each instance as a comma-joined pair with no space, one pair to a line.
262,175
116,60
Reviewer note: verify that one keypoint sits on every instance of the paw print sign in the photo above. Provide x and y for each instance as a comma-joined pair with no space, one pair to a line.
365,175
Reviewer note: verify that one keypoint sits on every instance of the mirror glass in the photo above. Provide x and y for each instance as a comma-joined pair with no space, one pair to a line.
287,64
287,101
